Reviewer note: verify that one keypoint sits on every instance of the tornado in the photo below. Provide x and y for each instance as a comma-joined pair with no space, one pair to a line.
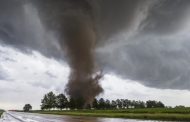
74,22
79,42
78,39
82,26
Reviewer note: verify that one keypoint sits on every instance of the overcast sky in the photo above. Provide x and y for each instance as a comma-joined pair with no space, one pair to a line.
142,47
26,78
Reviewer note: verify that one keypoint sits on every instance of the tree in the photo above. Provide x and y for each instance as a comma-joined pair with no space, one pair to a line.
179,106
113,104
27,107
154,104
139,104
95,103
150,104
44,102
72,103
61,101
133,102
80,103
126,103
160,105
49,101
107,104
101,103
119,103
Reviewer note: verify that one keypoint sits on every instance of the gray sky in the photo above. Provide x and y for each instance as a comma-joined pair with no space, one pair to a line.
26,78
143,48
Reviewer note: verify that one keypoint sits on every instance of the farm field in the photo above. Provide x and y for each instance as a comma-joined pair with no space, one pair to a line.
173,114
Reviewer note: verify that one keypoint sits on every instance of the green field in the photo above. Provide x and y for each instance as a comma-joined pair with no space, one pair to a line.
181,114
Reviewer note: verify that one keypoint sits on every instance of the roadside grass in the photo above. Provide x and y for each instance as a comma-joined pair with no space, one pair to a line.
173,114
1,111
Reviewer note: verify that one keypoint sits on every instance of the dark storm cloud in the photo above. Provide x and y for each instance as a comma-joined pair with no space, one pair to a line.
166,16
158,55
155,54
162,63
21,28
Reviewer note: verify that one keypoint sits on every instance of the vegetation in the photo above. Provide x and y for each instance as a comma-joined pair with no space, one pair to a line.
61,101
177,114
27,108
120,108
51,101
154,104
1,111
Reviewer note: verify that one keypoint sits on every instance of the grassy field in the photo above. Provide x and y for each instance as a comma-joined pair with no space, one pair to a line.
180,114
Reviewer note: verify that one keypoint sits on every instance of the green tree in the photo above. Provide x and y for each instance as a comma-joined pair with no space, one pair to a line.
142,104
160,104
44,102
180,106
61,101
49,101
154,104
139,104
27,107
107,104
101,103
119,103
95,103
150,104
113,104
126,103
79,103
72,103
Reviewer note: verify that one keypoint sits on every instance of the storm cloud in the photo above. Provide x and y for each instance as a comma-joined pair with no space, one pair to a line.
147,41
157,55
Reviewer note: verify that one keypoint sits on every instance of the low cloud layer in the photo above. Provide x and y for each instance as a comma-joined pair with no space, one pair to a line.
145,41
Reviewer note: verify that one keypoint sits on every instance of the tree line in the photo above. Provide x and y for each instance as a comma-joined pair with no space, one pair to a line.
60,101
27,108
